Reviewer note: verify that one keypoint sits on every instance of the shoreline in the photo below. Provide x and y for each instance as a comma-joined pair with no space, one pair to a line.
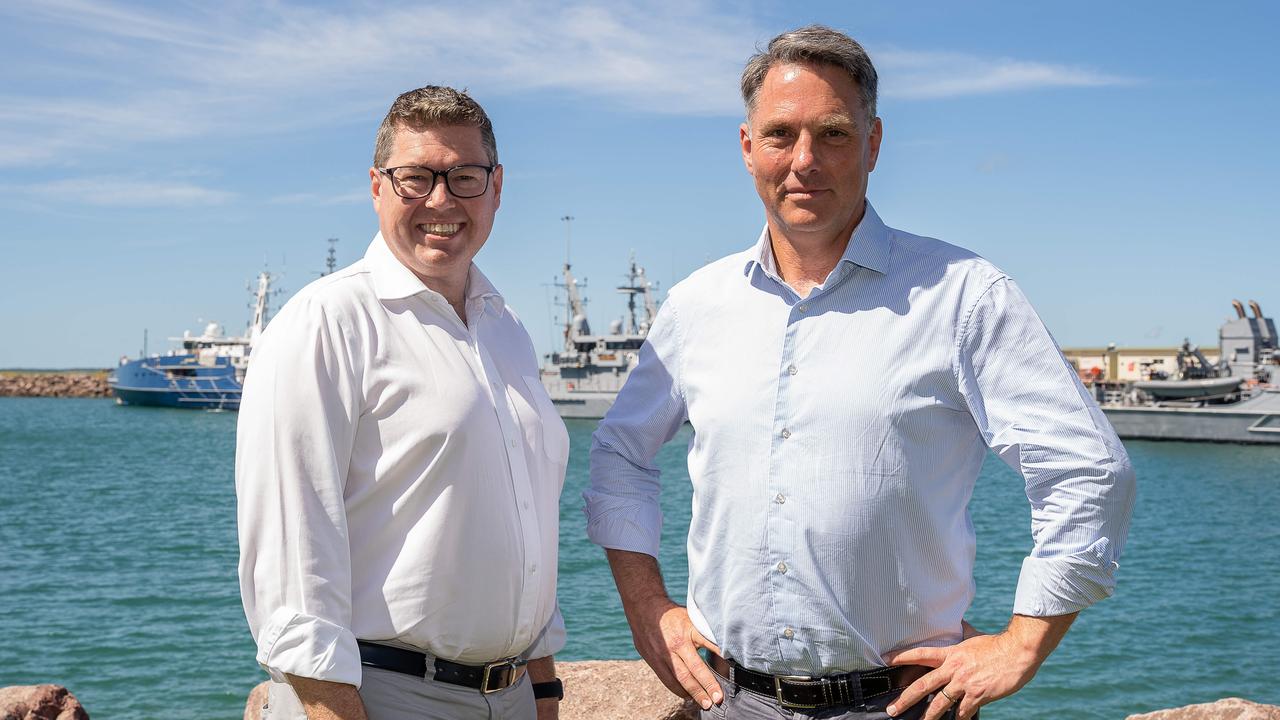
54,383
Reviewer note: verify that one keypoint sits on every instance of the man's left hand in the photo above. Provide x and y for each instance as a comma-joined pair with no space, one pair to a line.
980,669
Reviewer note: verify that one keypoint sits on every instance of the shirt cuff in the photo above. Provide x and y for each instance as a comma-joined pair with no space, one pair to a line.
552,639
1065,584
622,524
308,646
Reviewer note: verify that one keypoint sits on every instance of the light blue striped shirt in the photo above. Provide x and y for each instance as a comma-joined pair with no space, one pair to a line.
836,443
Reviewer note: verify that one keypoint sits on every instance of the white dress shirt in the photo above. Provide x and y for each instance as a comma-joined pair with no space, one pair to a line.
836,443
398,476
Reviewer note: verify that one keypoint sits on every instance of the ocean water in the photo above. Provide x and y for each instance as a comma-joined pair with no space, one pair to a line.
118,570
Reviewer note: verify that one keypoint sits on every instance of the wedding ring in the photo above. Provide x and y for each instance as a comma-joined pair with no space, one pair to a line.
945,695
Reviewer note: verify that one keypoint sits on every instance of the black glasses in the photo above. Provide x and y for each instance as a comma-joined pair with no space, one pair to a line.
412,182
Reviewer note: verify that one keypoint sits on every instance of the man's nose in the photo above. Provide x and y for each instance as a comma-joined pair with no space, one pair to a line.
439,195
803,159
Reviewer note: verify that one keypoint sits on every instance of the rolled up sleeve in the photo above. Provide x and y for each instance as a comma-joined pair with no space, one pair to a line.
622,501
1033,411
293,447
552,639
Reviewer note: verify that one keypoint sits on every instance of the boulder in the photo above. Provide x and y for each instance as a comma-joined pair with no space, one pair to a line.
40,702
593,690
257,698
1225,709
621,689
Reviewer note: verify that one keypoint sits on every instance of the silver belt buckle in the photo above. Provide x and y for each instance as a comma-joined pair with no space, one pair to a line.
777,690
509,664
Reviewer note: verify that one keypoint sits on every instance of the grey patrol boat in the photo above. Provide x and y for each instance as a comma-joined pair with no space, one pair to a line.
1235,400
584,377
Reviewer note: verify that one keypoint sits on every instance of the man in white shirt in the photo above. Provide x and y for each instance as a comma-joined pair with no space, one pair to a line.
398,463
844,381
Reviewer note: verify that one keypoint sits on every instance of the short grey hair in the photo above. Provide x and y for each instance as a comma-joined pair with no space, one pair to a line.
816,44
429,107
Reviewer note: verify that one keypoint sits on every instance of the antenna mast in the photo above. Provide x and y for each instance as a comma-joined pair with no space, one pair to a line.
568,237
331,262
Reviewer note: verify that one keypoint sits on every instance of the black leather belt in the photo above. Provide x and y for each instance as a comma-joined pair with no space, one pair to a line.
488,678
810,693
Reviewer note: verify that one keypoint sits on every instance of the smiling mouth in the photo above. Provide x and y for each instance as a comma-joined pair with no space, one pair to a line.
441,229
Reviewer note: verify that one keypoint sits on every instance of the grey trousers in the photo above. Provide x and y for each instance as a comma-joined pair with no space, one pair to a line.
745,705
391,695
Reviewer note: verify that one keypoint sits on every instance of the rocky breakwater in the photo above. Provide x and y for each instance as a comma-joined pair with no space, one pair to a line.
81,383
593,690
628,690
1225,709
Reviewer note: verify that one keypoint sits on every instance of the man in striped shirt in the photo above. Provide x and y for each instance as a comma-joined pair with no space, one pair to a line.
844,381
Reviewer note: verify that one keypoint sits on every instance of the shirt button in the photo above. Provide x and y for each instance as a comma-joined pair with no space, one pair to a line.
792,370
786,433
803,307
533,568
788,633
782,568
525,504
779,498
513,443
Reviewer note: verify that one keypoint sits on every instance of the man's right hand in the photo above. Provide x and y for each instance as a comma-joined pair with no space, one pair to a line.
662,631
323,700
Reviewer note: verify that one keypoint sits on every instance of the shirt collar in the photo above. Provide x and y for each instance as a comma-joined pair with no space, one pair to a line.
393,281
869,247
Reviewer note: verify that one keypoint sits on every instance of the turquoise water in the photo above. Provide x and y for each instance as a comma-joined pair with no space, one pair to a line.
117,570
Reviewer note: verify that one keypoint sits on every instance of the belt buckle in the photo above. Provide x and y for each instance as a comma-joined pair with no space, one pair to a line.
509,664
777,691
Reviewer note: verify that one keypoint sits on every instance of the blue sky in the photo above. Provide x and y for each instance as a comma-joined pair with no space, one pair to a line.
1119,160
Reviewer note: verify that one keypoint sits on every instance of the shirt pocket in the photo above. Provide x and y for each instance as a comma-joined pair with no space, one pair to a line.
554,436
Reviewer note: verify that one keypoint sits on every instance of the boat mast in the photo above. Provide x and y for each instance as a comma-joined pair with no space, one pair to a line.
638,284
260,309
575,324
331,262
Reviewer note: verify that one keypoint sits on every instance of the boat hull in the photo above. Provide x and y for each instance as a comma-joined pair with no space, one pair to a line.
1255,421
1182,389
583,406
177,382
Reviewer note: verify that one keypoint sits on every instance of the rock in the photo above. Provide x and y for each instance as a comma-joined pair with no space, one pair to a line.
257,698
621,689
40,702
1226,709
54,384
593,690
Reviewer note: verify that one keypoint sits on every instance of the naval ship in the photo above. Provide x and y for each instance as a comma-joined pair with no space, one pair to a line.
584,377
1236,399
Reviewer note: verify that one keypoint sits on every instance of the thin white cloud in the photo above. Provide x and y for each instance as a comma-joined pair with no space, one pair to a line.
109,191
349,198
138,75
928,75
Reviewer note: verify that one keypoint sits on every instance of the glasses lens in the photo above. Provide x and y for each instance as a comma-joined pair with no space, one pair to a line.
467,181
413,182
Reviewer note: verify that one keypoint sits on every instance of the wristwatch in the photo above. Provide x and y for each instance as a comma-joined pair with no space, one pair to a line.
549,689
